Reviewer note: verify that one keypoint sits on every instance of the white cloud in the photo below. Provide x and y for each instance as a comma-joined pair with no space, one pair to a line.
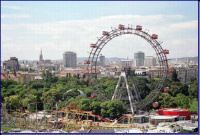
77,35
12,7
3,16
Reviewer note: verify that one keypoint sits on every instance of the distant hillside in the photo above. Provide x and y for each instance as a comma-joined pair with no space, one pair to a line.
184,59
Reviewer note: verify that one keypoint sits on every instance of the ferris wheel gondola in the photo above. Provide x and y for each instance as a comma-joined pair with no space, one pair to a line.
151,39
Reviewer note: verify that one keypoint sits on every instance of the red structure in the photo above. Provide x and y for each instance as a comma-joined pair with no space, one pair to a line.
170,71
86,80
155,105
86,62
105,33
166,51
174,112
166,89
92,46
138,27
121,27
93,96
154,36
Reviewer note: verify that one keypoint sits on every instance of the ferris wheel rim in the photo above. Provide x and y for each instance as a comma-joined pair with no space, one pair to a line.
103,40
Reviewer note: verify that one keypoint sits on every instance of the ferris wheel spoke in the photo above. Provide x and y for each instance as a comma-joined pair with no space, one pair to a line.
133,97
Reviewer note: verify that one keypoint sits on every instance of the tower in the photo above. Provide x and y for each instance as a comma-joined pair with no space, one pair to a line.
41,60
139,58
102,60
70,59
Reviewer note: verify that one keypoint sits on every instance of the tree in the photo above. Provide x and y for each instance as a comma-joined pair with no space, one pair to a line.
85,104
95,107
37,85
13,101
165,100
182,101
193,79
46,75
71,94
193,89
174,76
29,99
113,109
53,95
184,89
7,83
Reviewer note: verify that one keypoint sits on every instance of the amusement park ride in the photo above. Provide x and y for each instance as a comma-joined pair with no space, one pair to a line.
135,102
73,116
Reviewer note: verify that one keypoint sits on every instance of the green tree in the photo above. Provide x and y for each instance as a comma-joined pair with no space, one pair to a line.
184,89
53,95
165,100
6,83
73,102
112,109
193,79
26,102
13,101
29,98
71,94
37,85
193,89
174,76
95,107
85,104
182,101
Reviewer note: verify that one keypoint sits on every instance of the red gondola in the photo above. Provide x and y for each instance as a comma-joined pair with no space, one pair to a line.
92,46
166,51
138,27
93,96
155,105
105,33
86,62
166,89
121,27
86,80
154,36
170,71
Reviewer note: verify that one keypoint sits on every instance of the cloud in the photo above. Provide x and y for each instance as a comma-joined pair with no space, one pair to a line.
57,37
14,7
4,16
11,7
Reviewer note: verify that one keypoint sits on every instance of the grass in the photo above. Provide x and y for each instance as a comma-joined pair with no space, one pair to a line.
5,129
194,105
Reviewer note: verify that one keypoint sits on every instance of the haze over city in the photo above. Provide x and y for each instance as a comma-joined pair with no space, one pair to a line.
56,27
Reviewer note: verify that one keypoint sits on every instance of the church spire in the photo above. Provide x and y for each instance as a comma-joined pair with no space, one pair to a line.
41,57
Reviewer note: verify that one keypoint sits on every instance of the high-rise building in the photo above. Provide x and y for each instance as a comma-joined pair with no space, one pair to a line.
139,58
70,59
102,60
150,61
11,64
41,60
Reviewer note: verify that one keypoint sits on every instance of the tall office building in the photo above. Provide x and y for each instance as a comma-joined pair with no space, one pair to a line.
139,58
70,59
102,60
11,64
150,61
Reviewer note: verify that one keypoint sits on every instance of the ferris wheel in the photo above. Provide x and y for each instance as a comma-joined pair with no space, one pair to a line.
96,49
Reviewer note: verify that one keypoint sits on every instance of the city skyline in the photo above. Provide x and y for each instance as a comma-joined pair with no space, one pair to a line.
73,26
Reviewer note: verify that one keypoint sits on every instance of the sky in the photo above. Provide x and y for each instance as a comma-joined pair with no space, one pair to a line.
59,26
